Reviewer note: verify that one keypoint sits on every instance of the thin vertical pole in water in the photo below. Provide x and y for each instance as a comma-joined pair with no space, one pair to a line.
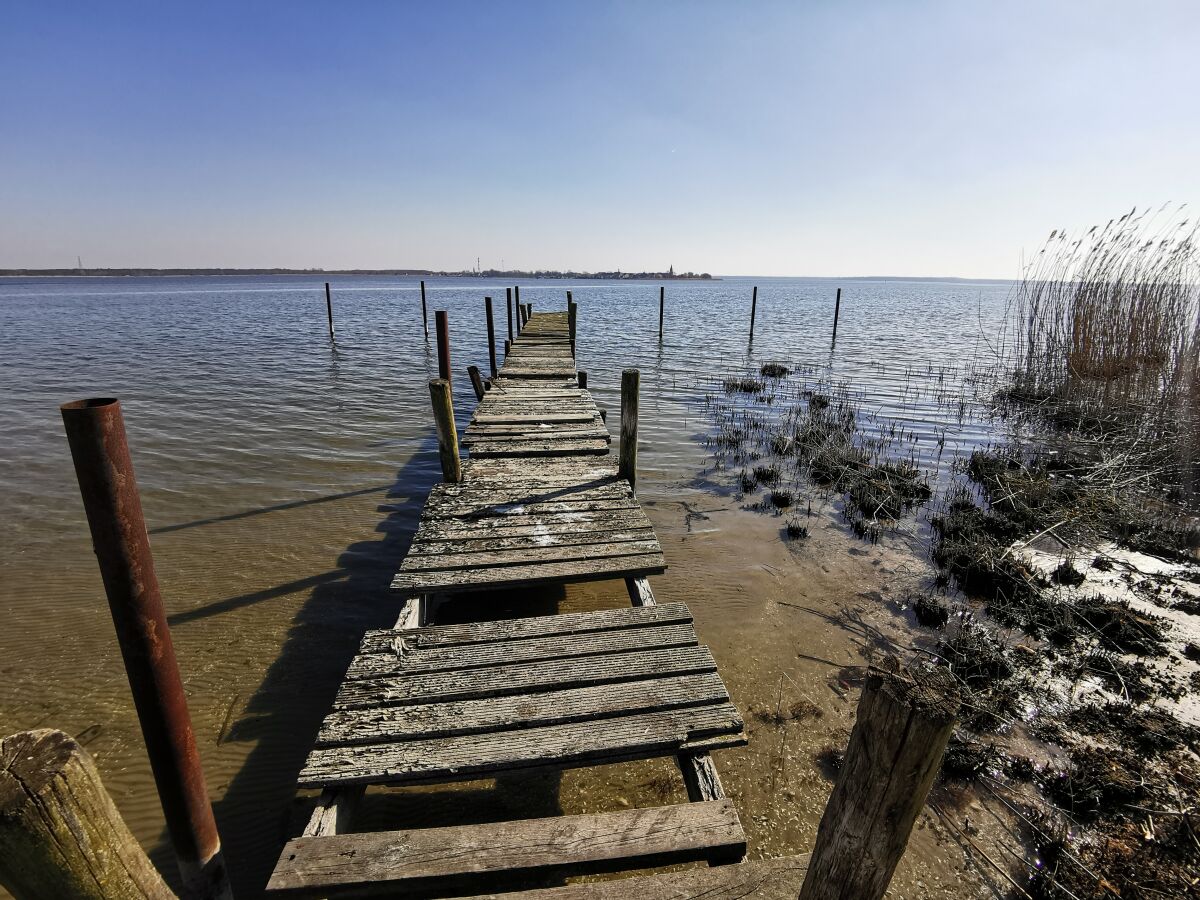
424,314
329,310
662,293
627,467
443,417
443,344
837,310
753,309
508,305
487,305
96,435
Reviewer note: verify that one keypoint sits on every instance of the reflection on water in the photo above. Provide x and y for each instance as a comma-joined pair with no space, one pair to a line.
282,478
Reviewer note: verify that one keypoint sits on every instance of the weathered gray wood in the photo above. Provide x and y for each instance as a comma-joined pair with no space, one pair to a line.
513,630
409,659
522,678
463,757
700,777
529,543
334,811
385,862
399,723
477,561
512,576
60,833
630,380
546,526
491,333
757,879
443,416
904,721
639,591
543,448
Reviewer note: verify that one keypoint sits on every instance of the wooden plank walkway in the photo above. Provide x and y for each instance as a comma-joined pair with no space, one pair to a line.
540,501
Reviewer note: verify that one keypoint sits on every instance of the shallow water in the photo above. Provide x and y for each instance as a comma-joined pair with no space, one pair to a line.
282,478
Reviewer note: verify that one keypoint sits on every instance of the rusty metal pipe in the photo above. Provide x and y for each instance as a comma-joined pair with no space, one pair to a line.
96,433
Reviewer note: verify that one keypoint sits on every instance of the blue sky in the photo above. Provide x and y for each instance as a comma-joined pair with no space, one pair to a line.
873,138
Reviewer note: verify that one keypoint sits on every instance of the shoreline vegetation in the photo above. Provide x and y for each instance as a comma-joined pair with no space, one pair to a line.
1061,584
618,275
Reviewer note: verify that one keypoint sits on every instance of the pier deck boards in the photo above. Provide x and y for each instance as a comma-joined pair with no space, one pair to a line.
540,501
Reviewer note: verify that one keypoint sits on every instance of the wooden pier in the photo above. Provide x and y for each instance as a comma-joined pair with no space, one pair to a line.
540,501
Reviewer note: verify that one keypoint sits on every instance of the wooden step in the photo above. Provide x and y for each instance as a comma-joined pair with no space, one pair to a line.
480,856
759,879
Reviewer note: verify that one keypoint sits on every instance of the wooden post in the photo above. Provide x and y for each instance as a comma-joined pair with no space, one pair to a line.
476,381
627,469
837,310
582,380
487,306
572,319
508,306
96,434
329,310
447,434
424,314
904,721
517,308
60,833
753,309
442,323
662,294
507,347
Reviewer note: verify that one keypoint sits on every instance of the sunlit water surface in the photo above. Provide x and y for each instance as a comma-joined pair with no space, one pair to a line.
282,477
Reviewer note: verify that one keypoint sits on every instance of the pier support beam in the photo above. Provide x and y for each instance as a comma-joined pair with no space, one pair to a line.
487,306
508,306
627,467
904,721
447,435
424,314
442,322
96,434
476,381
60,833
572,315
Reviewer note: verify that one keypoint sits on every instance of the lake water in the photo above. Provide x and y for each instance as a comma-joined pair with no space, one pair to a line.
282,478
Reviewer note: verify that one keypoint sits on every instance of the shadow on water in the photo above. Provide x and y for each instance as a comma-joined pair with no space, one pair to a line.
259,809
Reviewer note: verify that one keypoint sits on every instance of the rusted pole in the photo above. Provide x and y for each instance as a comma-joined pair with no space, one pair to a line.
627,468
476,381
508,306
447,435
662,294
837,311
487,306
329,310
904,721
753,309
96,435
442,323
424,314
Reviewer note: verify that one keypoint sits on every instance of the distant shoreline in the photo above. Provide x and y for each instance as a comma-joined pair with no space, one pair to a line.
411,273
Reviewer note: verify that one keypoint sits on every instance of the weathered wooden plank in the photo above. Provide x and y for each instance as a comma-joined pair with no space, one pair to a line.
493,496
511,576
421,859
756,879
401,723
539,448
530,543
537,431
567,744
448,509
522,418
487,559
410,659
546,525
382,640
523,678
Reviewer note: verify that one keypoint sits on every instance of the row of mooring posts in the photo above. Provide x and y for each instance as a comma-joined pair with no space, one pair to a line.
524,311
64,838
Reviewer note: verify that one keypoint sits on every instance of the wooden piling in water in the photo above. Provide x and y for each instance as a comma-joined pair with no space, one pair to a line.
487,306
753,310
837,311
424,314
329,310
447,434
904,721
572,318
508,306
96,435
517,305
662,295
61,833
582,378
476,381
627,467
507,347
442,323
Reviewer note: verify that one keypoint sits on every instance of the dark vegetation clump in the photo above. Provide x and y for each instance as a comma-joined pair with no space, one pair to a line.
781,499
774,370
929,610
1096,781
744,385
747,482
1067,574
767,475
794,530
